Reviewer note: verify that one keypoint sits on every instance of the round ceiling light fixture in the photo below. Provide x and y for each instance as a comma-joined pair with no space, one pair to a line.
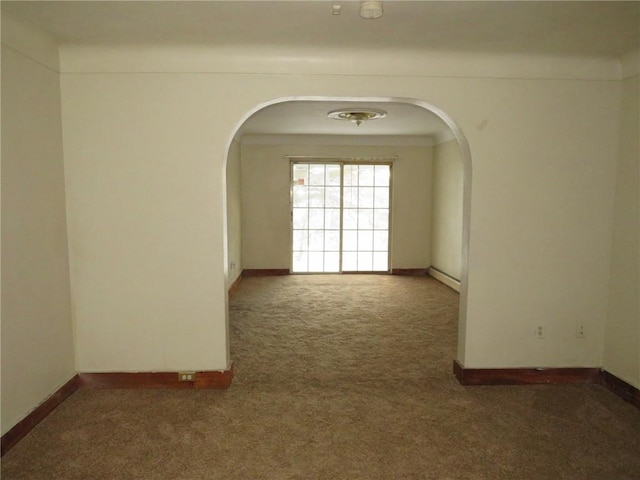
356,116
371,9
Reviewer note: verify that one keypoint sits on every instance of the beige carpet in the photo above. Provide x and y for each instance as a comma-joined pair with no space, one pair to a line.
338,377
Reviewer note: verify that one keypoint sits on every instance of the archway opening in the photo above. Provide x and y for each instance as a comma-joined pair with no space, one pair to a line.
233,267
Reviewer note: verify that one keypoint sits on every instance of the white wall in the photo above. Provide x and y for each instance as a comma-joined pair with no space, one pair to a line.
145,160
37,339
446,222
234,214
146,222
266,204
622,339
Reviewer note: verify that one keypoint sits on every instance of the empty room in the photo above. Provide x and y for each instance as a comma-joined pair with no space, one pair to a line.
320,239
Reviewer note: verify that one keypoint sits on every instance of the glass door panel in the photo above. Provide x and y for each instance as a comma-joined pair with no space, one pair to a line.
365,234
316,218
340,217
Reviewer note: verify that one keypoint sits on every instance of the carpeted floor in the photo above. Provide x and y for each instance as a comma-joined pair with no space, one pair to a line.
338,377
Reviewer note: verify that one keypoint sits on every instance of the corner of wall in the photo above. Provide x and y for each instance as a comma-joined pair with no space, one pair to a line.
37,339
621,355
31,42
630,64
447,208
443,137
234,213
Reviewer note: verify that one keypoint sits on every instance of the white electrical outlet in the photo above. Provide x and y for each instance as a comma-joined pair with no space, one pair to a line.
539,331
580,333
187,376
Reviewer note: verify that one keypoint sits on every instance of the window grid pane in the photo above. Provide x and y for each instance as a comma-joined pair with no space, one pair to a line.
326,214
365,234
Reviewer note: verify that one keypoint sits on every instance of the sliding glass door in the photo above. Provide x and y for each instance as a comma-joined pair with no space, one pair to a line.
340,217
316,200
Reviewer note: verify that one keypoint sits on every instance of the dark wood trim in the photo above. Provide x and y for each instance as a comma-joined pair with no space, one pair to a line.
264,272
412,272
621,388
458,371
27,424
524,376
234,286
216,379
222,379
528,376
210,379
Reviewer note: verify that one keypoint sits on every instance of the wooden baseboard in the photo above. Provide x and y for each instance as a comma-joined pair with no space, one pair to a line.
211,379
524,376
411,272
27,424
234,286
222,379
621,388
458,372
528,376
264,272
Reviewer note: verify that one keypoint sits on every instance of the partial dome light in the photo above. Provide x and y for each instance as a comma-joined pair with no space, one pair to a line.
371,9
356,116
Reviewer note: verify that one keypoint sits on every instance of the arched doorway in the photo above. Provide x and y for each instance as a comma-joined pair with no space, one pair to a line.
465,155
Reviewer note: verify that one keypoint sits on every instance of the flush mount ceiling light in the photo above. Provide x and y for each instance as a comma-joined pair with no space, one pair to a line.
371,9
356,116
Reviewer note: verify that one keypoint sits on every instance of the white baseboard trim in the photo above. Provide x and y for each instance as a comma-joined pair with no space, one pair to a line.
444,278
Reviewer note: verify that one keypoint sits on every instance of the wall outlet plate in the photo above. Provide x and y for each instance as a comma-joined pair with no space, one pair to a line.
539,331
187,376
